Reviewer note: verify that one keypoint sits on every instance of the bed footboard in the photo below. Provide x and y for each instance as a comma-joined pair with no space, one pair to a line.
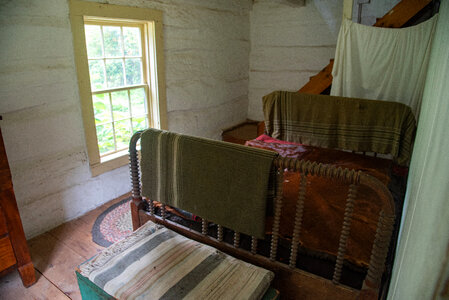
289,279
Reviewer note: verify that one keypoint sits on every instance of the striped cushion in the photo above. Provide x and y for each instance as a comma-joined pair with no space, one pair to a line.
157,263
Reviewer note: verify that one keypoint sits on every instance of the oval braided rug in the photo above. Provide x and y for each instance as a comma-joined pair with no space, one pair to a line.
113,224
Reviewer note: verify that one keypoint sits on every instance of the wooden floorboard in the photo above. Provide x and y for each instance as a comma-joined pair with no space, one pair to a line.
57,262
55,255
77,236
11,288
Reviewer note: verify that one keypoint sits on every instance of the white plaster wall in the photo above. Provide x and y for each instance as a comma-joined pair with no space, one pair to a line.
207,62
289,43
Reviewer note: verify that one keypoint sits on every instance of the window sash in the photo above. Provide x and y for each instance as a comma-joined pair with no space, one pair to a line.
130,117
126,87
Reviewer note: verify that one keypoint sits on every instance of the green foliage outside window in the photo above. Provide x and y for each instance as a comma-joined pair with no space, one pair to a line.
119,114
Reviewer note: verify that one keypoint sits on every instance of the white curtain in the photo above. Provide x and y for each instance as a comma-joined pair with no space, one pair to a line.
382,63
422,263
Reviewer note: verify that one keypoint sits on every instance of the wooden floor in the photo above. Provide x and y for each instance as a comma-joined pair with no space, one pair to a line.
55,255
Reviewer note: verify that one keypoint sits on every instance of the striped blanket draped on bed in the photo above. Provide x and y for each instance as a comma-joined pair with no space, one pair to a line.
157,263
341,123
222,182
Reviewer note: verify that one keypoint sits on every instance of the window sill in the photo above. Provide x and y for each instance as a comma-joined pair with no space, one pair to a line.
110,162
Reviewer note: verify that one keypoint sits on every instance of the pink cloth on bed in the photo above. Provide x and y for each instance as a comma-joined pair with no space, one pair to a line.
268,139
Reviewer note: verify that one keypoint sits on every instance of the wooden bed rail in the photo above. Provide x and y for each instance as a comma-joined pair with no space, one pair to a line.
290,279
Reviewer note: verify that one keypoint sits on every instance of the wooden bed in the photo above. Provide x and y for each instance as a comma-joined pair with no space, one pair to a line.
284,255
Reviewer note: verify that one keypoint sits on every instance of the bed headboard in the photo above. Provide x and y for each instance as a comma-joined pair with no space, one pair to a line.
288,276
341,123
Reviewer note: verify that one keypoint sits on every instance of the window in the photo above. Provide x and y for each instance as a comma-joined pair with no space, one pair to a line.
119,60
116,61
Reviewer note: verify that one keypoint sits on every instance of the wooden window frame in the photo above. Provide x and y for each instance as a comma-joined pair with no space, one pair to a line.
82,13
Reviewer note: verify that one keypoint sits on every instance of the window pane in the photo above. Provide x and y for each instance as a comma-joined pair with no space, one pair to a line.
122,133
114,73
102,108
112,41
139,124
105,138
132,43
93,41
138,102
96,72
133,69
120,105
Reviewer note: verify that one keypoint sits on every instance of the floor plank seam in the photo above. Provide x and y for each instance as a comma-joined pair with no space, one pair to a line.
48,279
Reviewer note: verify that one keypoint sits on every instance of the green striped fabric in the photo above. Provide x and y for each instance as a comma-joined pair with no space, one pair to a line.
157,263
222,182
341,123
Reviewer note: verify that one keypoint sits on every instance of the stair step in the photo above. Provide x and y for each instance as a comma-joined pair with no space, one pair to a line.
319,82
399,15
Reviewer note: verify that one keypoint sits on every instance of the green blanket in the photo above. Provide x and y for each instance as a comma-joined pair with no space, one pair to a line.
341,123
221,182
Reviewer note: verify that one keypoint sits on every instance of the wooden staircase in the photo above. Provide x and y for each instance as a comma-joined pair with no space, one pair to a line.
397,17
